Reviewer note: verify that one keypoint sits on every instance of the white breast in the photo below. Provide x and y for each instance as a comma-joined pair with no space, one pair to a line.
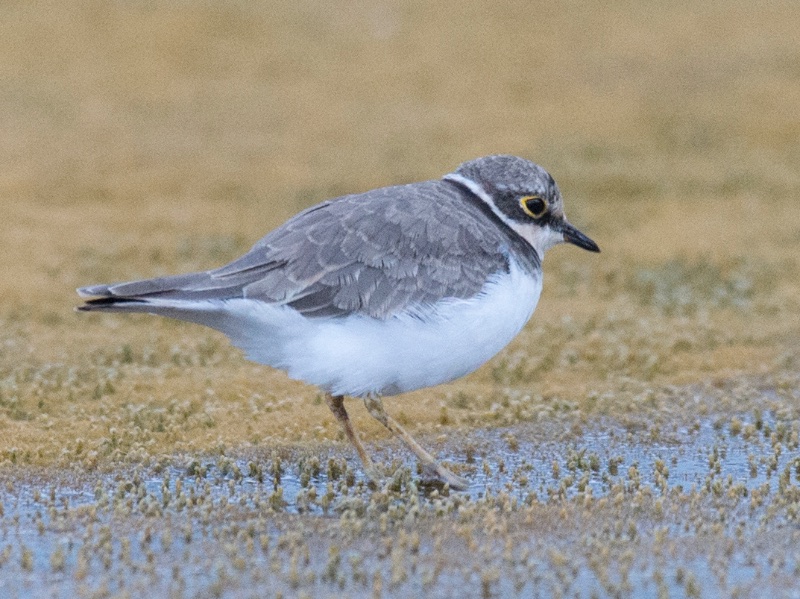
357,355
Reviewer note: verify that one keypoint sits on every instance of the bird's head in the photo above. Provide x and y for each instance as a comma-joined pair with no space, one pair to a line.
525,197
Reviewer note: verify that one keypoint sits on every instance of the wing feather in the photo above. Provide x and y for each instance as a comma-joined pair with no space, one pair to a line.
377,253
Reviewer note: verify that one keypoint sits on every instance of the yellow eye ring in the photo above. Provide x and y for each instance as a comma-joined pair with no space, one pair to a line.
534,206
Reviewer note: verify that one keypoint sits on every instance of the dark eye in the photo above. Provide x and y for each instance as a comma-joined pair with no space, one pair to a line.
534,206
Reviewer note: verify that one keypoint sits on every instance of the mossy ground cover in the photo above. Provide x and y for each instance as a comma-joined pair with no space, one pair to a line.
141,139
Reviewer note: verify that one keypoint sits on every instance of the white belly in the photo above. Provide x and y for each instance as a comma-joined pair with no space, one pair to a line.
357,355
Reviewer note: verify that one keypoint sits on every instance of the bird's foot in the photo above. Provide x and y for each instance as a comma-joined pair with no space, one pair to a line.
454,481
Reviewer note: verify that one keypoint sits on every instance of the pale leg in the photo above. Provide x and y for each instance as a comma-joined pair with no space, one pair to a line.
336,404
375,407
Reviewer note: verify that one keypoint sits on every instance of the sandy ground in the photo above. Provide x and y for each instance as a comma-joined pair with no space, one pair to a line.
149,138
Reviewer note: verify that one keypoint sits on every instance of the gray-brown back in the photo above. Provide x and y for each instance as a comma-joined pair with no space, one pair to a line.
376,253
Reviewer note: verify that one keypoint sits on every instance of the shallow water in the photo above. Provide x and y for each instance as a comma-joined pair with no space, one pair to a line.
609,511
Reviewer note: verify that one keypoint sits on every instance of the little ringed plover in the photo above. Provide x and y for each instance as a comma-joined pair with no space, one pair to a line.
382,292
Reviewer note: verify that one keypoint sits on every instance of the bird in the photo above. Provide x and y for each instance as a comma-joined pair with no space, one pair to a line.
380,293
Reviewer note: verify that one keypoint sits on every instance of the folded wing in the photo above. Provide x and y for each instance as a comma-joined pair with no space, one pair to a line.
379,253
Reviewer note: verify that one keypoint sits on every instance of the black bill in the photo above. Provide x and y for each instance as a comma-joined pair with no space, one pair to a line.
572,235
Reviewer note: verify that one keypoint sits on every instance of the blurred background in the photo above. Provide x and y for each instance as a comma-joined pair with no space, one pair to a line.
144,138
144,457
